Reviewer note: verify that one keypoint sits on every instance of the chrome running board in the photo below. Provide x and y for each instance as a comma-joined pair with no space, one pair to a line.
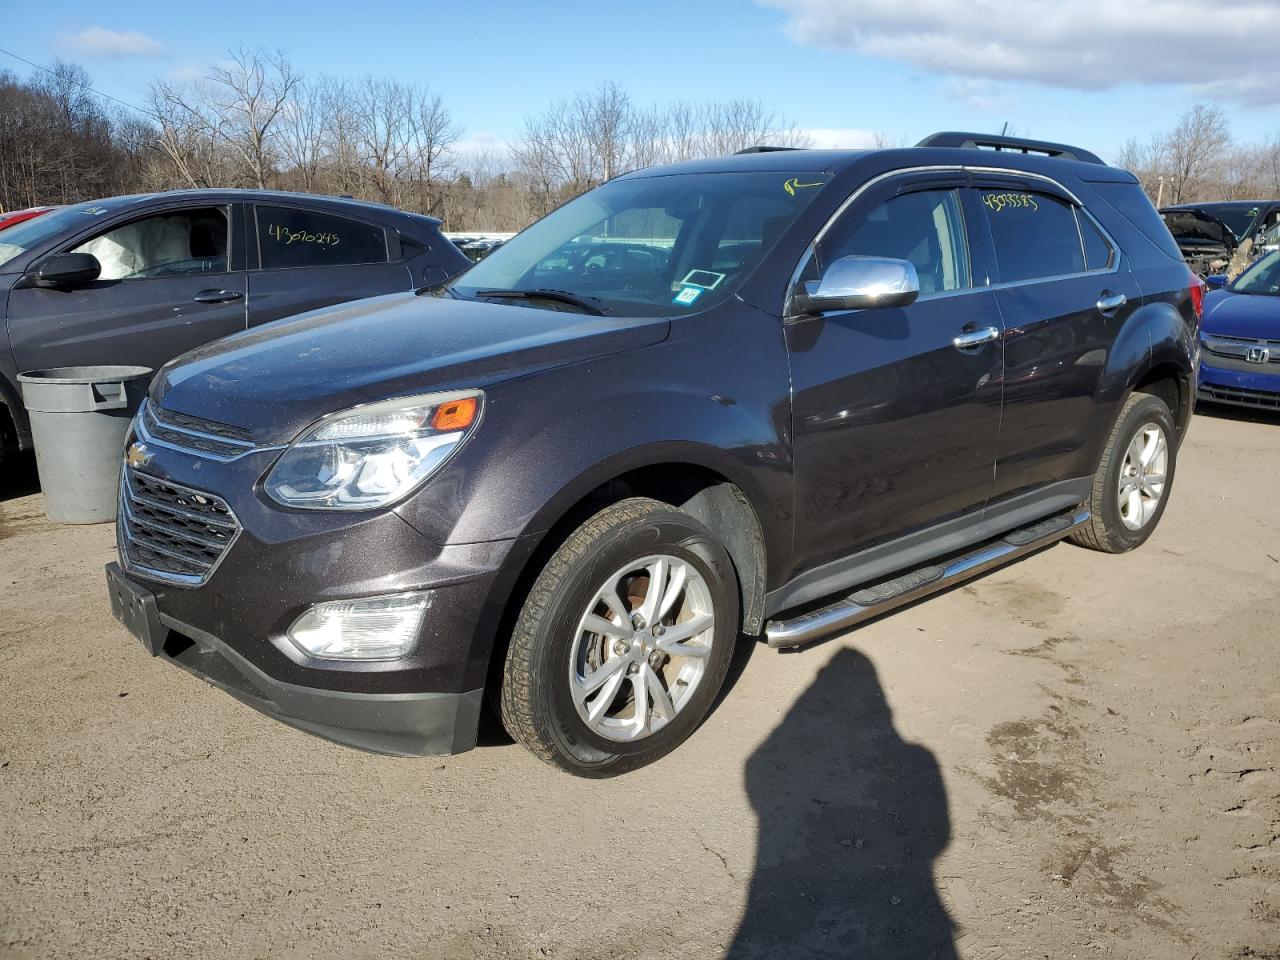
880,598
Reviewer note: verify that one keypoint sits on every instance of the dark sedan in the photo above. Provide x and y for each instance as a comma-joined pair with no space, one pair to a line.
138,280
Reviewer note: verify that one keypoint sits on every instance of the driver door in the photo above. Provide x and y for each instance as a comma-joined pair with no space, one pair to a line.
171,281
896,426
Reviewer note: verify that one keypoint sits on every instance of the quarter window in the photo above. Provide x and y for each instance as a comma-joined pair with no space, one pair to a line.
925,228
289,237
1035,235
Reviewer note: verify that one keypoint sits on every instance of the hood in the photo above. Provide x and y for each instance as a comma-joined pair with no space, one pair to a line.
1196,226
277,379
1248,315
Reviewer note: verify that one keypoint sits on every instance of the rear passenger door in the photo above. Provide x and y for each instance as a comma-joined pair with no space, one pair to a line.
1064,291
309,258
895,425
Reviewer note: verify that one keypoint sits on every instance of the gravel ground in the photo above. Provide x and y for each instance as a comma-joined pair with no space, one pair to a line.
1075,756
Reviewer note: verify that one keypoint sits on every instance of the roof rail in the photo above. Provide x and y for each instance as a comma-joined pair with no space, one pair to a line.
985,141
764,149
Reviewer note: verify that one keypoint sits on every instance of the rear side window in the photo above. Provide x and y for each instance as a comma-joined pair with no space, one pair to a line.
1097,251
925,228
1132,203
1035,235
289,237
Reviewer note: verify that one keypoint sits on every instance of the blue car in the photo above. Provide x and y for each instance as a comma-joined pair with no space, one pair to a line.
1240,335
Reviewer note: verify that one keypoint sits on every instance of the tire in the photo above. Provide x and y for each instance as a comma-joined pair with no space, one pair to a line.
1111,525
554,656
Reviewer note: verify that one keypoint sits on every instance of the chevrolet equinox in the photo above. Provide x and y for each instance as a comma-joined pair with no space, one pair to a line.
771,394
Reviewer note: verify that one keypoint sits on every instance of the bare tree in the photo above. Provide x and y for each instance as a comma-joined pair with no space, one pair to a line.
431,138
247,95
1194,147
187,135
301,133
576,144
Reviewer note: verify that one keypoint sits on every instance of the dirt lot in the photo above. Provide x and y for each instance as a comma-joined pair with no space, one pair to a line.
1072,757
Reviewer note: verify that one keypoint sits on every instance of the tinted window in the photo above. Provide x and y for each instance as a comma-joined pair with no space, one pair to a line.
1035,235
170,244
1132,203
1097,251
925,228
289,237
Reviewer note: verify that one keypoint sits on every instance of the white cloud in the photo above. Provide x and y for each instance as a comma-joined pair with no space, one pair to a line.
1077,44
484,147
101,42
979,93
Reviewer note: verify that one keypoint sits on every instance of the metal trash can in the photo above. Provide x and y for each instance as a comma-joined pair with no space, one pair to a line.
79,419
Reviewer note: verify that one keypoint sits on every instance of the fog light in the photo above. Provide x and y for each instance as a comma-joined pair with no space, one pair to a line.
373,628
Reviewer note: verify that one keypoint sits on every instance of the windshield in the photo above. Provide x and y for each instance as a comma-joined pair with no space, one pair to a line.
650,246
1263,277
22,237
1237,216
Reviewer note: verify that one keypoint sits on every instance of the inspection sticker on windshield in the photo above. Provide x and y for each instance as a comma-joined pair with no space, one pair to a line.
687,296
706,279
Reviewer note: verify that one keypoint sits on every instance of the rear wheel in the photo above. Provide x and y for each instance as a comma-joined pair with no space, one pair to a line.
623,642
1131,487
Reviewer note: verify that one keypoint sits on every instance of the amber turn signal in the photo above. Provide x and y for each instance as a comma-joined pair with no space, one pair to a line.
455,415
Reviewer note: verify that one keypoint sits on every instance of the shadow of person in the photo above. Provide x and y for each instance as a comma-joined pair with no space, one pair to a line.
851,818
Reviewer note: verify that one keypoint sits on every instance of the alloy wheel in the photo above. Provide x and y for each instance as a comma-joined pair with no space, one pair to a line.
641,648
1140,487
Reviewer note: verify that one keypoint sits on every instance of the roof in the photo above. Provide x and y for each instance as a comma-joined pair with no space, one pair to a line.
1219,203
237,193
837,161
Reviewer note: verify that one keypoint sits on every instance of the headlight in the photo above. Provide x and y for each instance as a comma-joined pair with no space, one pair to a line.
374,455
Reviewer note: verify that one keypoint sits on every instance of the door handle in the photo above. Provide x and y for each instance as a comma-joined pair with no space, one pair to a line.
217,296
1109,303
971,339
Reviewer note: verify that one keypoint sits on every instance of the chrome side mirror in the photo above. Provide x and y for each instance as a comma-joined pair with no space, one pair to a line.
859,283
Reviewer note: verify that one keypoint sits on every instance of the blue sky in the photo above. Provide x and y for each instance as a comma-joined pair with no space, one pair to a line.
841,68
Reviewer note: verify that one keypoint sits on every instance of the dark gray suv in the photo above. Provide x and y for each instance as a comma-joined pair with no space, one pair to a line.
771,394
137,280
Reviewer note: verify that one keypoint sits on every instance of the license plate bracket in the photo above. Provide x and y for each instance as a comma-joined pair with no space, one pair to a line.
135,607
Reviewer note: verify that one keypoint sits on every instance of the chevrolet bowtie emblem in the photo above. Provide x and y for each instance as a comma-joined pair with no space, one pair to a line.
137,455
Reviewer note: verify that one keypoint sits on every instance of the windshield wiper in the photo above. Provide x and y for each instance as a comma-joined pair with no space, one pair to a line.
435,288
542,293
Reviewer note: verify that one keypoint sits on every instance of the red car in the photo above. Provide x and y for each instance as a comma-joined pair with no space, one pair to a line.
17,216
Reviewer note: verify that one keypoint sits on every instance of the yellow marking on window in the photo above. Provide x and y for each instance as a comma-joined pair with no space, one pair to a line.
794,184
998,202
285,236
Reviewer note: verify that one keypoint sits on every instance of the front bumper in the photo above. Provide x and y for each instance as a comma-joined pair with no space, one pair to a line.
1244,388
231,628
401,724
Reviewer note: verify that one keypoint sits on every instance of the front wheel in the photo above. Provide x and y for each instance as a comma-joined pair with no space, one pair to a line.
1131,487
624,641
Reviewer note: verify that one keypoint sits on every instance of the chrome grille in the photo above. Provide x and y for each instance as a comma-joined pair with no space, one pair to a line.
188,434
171,532
1237,348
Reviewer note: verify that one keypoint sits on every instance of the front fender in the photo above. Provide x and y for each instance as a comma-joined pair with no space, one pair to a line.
548,440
